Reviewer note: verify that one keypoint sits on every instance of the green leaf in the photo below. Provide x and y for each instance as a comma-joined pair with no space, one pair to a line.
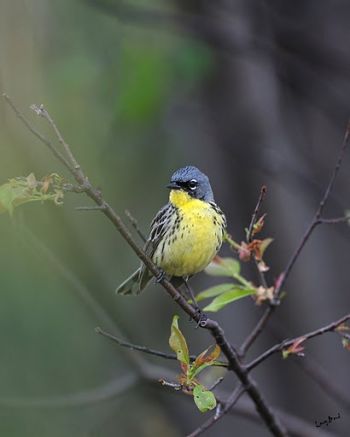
177,342
285,353
204,399
214,291
223,267
346,343
228,297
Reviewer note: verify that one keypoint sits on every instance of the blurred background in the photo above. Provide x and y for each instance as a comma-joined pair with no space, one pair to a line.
251,92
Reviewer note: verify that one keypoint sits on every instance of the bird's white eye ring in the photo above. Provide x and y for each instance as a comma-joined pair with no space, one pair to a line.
192,184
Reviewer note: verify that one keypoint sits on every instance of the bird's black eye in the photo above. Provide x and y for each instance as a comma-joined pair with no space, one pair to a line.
192,184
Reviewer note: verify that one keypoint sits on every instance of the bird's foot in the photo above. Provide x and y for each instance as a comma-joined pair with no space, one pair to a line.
159,278
200,318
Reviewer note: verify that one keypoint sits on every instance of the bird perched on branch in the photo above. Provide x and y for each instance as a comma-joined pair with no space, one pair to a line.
186,233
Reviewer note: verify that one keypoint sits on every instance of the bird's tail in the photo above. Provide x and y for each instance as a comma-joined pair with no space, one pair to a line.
135,283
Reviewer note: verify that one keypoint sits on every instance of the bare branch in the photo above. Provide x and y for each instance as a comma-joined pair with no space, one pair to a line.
286,343
333,221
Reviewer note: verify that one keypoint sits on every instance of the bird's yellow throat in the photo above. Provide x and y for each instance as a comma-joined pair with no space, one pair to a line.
180,198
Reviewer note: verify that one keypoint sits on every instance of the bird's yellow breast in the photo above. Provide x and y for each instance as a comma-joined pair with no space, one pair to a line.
193,237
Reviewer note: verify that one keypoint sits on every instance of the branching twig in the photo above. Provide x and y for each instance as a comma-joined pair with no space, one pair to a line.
286,343
333,221
255,213
214,328
249,238
317,220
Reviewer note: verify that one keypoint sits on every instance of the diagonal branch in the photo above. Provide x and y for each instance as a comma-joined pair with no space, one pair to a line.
286,343
212,326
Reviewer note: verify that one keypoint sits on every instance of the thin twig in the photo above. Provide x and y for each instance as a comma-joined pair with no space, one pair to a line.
135,225
136,347
286,343
36,133
261,198
175,385
89,208
225,408
317,219
262,194
148,350
41,111
334,221
257,330
214,328
216,383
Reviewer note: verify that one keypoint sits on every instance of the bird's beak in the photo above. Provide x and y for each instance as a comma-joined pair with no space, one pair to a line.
173,186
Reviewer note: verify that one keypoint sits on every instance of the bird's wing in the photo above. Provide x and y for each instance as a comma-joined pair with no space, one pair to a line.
221,214
159,226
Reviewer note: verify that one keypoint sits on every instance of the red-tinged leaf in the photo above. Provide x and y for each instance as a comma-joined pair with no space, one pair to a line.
177,342
244,252
259,225
204,357
184,368
296,348
203,361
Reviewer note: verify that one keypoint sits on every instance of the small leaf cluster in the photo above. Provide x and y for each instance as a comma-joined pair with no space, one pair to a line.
203,398
20,190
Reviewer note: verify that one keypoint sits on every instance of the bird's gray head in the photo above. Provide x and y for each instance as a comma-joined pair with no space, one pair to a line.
193,181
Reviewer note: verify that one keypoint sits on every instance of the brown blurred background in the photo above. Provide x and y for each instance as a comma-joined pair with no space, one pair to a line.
251,92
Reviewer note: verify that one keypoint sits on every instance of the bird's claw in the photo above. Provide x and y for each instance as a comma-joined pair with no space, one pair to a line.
200,317
160,276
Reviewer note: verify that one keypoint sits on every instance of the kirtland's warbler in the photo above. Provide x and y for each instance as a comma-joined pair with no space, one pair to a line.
186,233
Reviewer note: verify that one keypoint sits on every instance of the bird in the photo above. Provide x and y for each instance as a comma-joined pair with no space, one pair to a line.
185,234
